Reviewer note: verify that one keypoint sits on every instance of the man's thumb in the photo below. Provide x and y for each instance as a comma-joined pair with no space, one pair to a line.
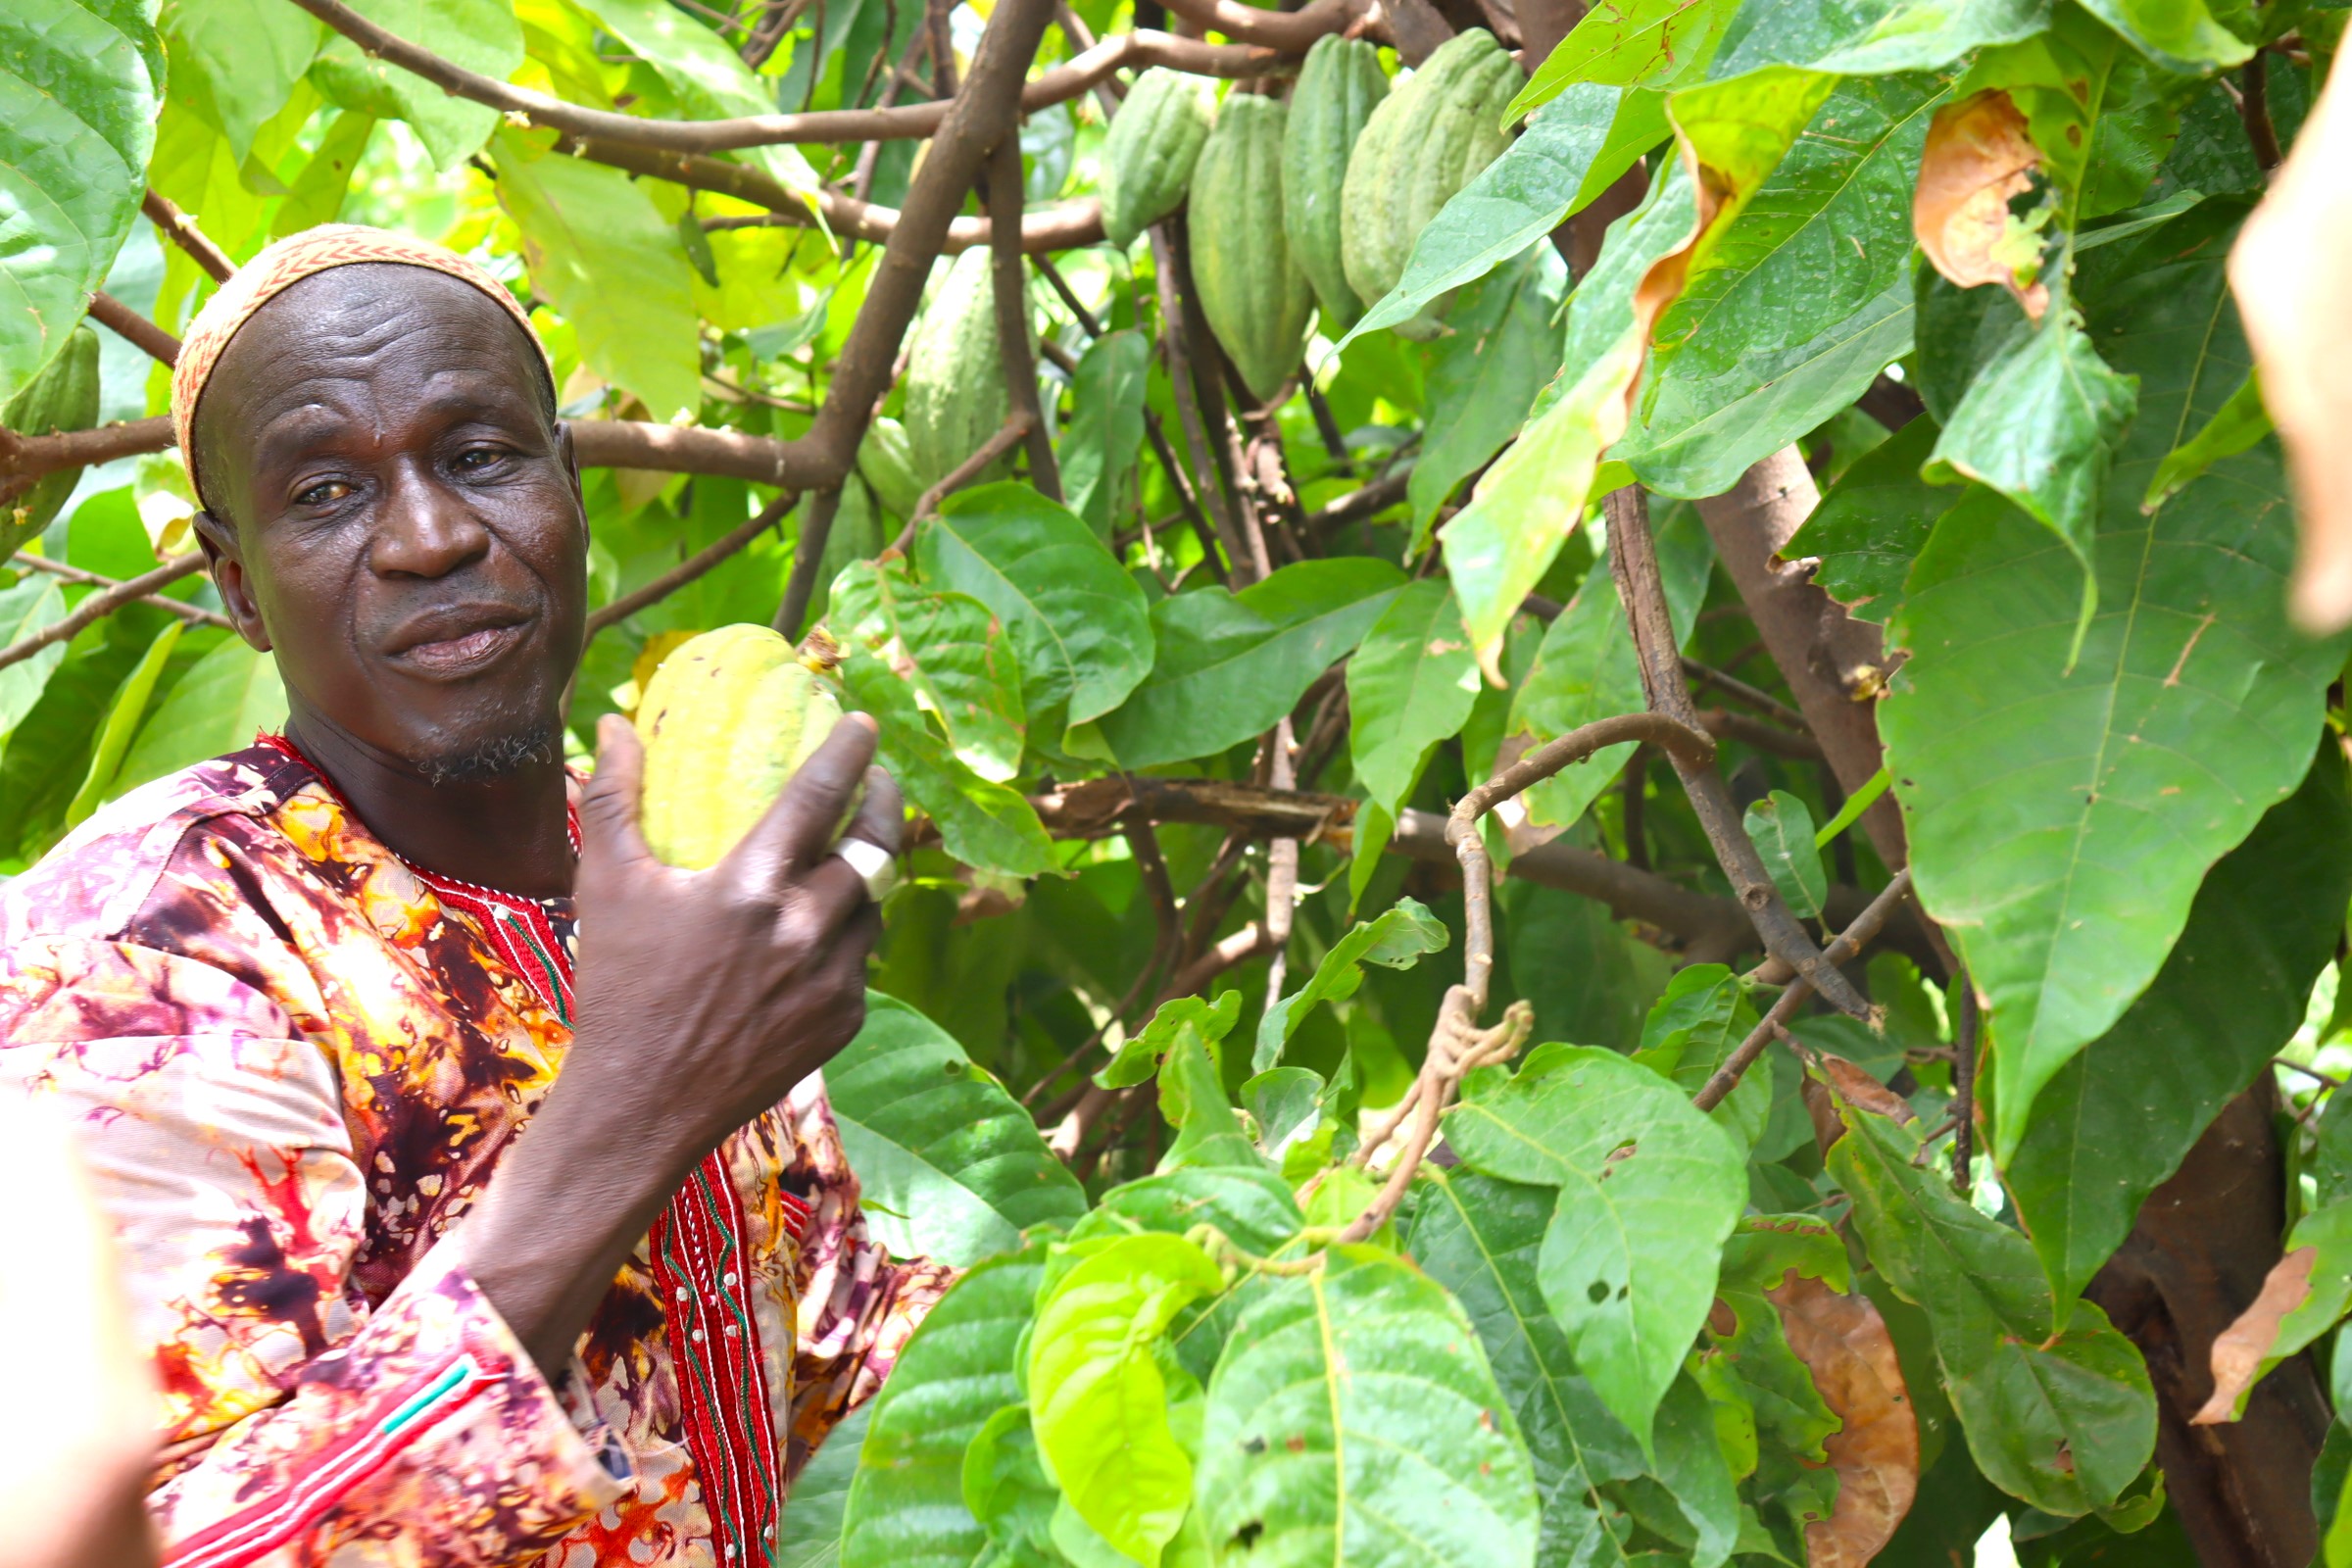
608,804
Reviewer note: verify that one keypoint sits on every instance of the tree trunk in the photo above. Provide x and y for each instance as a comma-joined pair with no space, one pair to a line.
2195,1259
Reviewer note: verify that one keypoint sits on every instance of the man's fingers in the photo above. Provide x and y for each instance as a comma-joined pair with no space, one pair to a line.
609,829
800,828
882,816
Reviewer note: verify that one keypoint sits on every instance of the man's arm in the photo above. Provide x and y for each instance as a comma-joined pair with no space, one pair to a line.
704,998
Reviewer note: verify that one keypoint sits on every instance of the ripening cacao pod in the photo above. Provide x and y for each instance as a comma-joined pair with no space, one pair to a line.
1256,298
726,722
62,396
1149,154
1339,87
955,394
887,464
1426,142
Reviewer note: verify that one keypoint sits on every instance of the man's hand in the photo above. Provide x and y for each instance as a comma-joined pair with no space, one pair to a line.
702,998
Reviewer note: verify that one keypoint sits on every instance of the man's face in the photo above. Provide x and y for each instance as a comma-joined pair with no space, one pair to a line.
394,510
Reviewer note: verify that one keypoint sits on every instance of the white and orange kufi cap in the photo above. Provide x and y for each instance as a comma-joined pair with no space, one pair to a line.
278,268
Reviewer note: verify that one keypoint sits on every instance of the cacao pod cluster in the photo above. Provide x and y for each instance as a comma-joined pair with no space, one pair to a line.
1313,203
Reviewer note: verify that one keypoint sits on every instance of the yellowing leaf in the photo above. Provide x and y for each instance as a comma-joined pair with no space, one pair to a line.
1977,157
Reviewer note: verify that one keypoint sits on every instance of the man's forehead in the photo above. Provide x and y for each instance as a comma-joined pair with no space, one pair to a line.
369,308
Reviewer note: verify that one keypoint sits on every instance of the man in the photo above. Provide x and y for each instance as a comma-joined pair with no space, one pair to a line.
305,1000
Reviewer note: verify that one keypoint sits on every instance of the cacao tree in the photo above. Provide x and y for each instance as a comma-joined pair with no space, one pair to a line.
1622,850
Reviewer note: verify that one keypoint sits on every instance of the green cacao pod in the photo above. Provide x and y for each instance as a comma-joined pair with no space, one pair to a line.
1339,87
1256,298
955,394
887,464
1426,142
62,396
726,722
1149,154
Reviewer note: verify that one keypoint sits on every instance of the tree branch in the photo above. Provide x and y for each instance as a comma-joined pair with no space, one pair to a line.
182,230
693,566
807,559
133,329
1009,274
1008,435
1191,411
194,614
1063,227
100,604
1293,32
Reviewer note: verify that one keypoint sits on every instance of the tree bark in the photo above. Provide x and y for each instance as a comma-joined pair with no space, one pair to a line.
2196,1257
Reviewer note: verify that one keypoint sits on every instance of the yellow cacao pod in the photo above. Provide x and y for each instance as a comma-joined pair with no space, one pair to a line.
726,722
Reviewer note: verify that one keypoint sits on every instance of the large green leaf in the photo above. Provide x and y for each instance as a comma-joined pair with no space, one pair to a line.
602,253
237,61
709,78
1872,524
1803,300
957,660
2061,820
1078,620
2064,1420
1411,684
906,1506
2119,1119
1643,42
1098,451
1584,668
35,601
1480,1238
121,721
1701,1019
951,1166
1354,1419
1484,376
2178,34
480,35
1648,1187
1870,37
1098,1398
981,823
1230,665
78,99
808,1534
230,695
1394,939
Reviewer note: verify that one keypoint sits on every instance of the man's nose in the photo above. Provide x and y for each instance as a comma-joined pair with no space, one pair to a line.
424,529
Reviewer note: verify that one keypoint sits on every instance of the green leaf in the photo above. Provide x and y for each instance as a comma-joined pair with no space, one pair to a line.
1872,524
2037,425
808,1534
709,78
316,196
1552,170
1411,684
2061,822
1589,978
1007,1490
1802,299
1650,1188
1480,1239
1871,39
1691,1466
123,718
602,254
983,824
1783,831
1584,668
951,1166
77,108
1098,451
1077,618
62,396
1394,939
2180,35
480,35
906,1507
1353,1419
34,602
1139,1057
1643,43
1230,665
1098,1401
1483,376
2064,1420
956,662
2118,1119
227,698
2234,426
1701,1019
1192,1097
237,61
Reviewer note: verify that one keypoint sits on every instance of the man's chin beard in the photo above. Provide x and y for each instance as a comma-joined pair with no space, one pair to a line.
497,756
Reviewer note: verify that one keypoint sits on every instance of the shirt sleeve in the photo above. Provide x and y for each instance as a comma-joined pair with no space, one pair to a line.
300,1420
857,1305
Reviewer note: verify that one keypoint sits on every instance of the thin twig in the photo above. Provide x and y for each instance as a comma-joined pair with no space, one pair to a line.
133,329
1008,435
1185,382
2254,108
194,614
1964,1084
1185,497
102,604
1011,277
182,230
693,566
1739,691
1069,296
2312,1073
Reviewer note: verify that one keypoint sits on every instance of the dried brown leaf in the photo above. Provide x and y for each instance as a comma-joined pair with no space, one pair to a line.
2286,271
2239,1349
1843,1342
1978,155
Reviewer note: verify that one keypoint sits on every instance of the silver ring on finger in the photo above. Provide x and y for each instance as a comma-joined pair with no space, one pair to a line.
876,866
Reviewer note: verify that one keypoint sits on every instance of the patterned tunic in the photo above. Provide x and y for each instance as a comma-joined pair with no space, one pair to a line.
294,1063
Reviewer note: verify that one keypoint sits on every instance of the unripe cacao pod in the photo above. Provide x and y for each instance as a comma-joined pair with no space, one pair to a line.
887,463
1256,298
726,722
955,393
62,396
1426,142
1148,154
1339,87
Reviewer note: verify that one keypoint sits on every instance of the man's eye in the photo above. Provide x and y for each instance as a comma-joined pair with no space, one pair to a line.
473,457
324,493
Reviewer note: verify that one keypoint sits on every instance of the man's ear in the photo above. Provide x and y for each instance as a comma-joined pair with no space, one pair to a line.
572,464
227,563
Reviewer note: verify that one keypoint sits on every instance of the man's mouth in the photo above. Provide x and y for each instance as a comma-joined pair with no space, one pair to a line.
445,646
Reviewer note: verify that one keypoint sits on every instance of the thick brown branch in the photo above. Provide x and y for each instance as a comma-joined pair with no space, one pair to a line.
1009,275
133,329
693,566
194,614
102,604
182,230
